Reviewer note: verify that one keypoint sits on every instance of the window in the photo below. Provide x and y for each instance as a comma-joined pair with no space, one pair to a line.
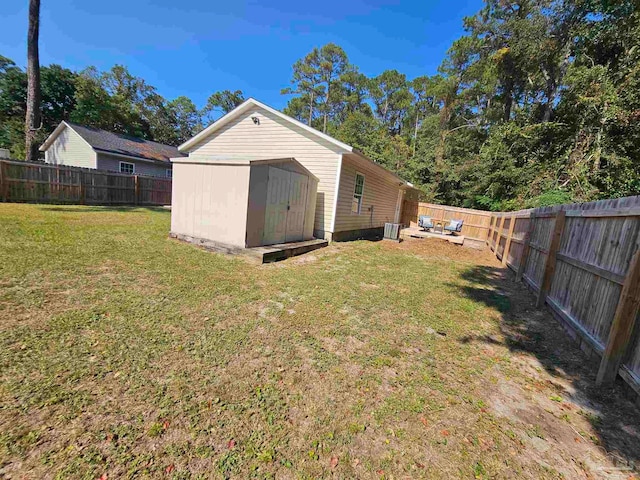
358,192
126,167
169,173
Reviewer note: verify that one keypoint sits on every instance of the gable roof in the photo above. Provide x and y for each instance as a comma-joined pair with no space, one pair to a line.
116,143
253,103
243,108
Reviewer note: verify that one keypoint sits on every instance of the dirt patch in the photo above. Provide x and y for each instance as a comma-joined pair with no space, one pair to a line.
435,248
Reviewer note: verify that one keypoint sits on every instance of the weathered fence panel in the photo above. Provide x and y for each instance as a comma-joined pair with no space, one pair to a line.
44,183
476,222
577,262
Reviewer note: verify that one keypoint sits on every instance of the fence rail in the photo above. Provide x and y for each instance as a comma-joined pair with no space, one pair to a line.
583,261
44,183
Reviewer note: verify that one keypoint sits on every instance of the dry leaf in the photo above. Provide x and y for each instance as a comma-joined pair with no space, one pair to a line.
424,421
170,468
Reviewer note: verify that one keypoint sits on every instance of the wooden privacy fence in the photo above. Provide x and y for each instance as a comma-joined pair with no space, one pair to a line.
44,183
476,222
583,261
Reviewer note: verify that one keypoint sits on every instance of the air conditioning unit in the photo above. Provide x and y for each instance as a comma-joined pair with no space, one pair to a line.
392,231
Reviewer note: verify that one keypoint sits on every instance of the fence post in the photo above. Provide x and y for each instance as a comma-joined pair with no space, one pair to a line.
526,247
550,264
83,193
499,235
490,229
137,190
3,181
622,326
507,246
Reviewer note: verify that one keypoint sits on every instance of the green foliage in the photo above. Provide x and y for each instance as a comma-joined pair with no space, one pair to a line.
115,100
222,102
538,103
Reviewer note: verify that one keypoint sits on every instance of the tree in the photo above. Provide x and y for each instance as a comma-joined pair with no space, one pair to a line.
392,99
188,121
58,95
222,103
13,106
32,121
316,82
353,94
93,104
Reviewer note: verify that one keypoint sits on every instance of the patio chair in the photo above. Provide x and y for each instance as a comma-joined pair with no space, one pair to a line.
425,222
455,226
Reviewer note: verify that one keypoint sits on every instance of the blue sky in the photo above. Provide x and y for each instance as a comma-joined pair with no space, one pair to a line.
196,47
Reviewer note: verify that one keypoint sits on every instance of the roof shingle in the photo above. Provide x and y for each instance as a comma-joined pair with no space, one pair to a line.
110,142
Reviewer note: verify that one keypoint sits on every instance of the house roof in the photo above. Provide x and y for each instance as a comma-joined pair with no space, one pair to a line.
253,103
116,143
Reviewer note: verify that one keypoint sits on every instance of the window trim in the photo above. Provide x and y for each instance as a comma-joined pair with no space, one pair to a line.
169,173
133,167
355,195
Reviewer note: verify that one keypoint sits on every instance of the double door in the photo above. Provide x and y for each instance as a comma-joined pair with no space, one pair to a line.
286,207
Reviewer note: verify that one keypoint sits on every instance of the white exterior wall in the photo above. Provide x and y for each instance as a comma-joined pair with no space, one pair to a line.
380,191
71,149
112,163
275,138
202,196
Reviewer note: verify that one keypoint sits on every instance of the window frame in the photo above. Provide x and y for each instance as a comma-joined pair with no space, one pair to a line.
169,173
359,196
133,167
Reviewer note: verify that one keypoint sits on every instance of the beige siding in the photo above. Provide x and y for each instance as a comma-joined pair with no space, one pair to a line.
112,163
70,149
380,192
273,137
210,201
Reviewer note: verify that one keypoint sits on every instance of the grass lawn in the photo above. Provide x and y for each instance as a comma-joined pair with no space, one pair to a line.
127,354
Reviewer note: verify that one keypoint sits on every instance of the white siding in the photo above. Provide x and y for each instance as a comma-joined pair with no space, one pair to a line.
380,191
112,163
70,149
275,138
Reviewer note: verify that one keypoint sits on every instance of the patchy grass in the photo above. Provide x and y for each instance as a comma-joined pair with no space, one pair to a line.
127,354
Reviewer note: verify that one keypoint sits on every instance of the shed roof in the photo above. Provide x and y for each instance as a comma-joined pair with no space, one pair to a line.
117,143
238,160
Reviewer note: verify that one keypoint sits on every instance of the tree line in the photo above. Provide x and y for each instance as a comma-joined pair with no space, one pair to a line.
114,100
537,103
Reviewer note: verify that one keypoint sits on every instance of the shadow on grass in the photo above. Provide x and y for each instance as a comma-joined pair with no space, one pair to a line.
527,329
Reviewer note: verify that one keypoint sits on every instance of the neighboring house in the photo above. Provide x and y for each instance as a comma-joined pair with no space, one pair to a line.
78,146
355,195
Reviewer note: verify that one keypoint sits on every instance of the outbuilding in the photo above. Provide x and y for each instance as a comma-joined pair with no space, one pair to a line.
223,191
241,202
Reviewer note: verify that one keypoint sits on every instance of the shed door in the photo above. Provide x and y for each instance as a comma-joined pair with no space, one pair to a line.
297,207
275,215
